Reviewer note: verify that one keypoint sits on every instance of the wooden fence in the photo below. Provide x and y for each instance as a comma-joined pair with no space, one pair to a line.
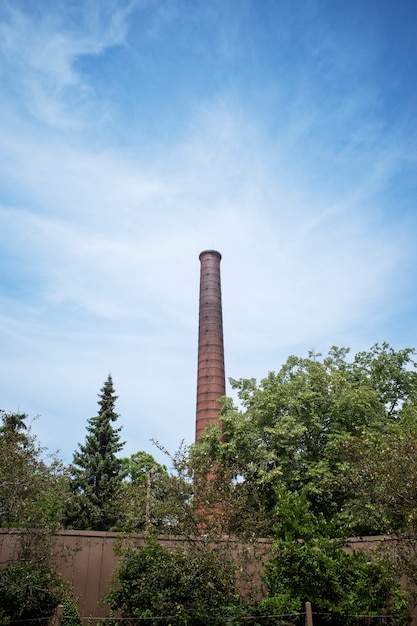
87,559
90,560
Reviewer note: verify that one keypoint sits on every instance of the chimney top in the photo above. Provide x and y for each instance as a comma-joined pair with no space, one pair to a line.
210,252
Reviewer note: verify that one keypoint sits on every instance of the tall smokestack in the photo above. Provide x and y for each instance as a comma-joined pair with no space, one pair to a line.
211,383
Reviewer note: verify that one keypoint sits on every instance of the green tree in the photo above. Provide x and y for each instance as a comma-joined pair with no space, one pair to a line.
144,493
33,489
203,509
96,471
137,466
299,427
158,500
383,474
33,484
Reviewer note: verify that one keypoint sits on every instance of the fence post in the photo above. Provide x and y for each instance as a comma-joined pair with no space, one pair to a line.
309,614
59,614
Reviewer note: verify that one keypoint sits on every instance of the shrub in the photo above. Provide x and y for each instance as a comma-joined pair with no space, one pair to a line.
29,591
309,563
194,585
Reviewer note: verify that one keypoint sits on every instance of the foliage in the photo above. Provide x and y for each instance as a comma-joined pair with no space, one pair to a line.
194,585
196,582
381,472
193,499
154,500
71,615
385,472
33,487
310,563
321,450
307,425
96,472
137,467
144,493
29,591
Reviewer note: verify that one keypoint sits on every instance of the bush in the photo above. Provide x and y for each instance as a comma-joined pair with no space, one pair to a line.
192,586
309,563
29,591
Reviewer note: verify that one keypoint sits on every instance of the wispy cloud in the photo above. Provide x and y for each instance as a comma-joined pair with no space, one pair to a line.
102,222
42,49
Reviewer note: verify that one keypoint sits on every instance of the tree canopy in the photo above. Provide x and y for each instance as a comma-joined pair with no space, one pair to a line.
315,426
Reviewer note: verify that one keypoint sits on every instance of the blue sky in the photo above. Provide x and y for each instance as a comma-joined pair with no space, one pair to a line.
135,134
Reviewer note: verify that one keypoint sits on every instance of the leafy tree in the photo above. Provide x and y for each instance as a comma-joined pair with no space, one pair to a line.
33,488
33,485
302,427
310,562
157,500
96,471
137,466
14,425
145,494
383,473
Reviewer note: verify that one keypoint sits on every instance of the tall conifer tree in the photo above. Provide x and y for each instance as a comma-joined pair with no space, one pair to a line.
96,471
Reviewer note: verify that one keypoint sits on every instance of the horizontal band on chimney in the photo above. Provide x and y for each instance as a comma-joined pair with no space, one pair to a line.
214,390
215,374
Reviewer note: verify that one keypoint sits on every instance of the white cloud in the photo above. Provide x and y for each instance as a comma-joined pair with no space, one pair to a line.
42,48
101,239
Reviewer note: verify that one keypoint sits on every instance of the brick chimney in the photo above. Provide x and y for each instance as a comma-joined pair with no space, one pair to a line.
211,383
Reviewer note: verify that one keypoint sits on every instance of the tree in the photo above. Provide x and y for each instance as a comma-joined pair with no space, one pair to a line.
157,500
203,511
96,471
299,426
33,485
144,494
33,489
137,466
381,475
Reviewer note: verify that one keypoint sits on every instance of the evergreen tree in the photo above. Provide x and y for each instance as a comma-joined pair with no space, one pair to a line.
96,472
